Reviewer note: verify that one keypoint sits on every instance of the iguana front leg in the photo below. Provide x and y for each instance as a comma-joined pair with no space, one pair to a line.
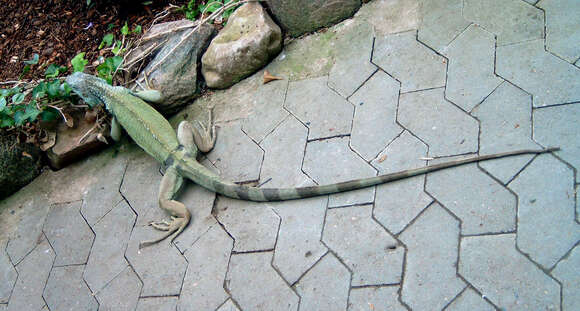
204,137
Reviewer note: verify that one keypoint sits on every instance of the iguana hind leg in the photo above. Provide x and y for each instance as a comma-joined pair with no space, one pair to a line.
180,216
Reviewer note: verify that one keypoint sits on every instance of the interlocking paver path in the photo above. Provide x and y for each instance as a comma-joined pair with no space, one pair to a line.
401,85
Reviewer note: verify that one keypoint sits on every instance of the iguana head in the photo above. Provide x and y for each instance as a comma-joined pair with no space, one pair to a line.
88,87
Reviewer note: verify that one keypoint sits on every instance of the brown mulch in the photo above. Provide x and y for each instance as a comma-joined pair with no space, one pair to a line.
57,30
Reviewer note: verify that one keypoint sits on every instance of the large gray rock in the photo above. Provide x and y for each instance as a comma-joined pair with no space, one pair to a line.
301,16
246,44
176,75
19,164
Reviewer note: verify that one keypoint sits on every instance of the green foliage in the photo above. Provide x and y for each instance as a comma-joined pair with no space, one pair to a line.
107,69
79,62
192,10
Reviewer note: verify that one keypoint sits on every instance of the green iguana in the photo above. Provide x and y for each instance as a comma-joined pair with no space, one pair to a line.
178,152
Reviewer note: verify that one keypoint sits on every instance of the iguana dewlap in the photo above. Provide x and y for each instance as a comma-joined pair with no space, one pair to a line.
178,152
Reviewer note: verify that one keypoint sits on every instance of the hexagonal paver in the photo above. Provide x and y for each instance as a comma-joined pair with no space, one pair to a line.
399,202
510,281
228,306
470,300
511,20
33,272
161,266
562,28
298,246
557,127
107,258
547,229
69,234
471,67
355,43
446,129
375,298
235,155
548,78
7,273
66,290
323,111
122,293
208,263
331,161
255,285
413,64
252,225
268,110
373,255
431,259
441,22
388,16
157,304
568,274
506,125
482,204
29,230
374,124
324,287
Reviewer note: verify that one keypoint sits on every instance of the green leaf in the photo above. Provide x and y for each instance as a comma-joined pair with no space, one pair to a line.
31,112
125,29
117,47
3,103
79,62
17,98
32,61
53,89
49,114
66,89
107,40
54,70
40,90
110,26
137,29
19,117
6,121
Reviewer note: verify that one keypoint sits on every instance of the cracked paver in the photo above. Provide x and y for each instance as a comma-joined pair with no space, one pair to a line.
400,84
510,281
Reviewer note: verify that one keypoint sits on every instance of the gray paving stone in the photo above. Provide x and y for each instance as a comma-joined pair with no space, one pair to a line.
33,272
7,273
384,298
325,286
157,304
107,259
372,254
160,267
298,247
141,187
66,290
511,20
568,273
388,16
374,124
103,195
199,202
3,306
235,155
228,306
208,263
469,300
69,234
323,111
253,225
506,125
470,75
562,28
441,22
446,129
557,127
29,230
415,65
255,285
547,229
268,110
499,272
399,202
482,204
283,154
352,65
330,161
431,259
548,78
122,293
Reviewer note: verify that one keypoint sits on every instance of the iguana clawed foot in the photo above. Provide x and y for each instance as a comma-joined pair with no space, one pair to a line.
204,137
172,228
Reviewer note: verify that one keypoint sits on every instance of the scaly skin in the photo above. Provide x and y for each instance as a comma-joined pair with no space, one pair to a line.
178,151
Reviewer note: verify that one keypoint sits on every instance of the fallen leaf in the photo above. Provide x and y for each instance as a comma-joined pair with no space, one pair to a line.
516,126
268,77
383,158
26,154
